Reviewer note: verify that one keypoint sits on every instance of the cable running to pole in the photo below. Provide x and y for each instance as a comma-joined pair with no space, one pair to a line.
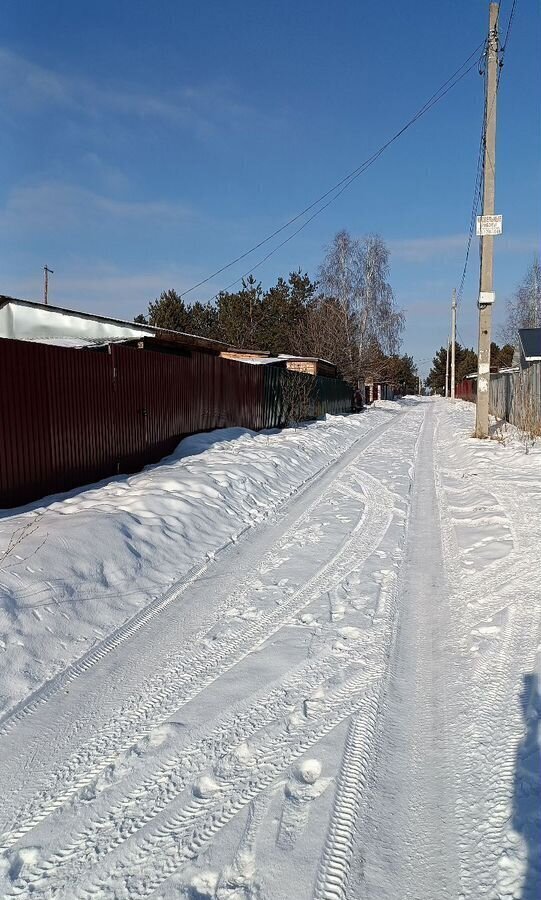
478,187
358,172
453,79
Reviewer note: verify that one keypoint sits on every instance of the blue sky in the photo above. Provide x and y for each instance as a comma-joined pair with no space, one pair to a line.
146,144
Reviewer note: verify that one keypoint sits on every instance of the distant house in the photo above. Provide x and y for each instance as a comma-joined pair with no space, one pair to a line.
28,320
377,390
529,346
310,365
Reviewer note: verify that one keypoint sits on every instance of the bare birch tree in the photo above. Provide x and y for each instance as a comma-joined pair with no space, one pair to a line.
355,276
524,310
341,279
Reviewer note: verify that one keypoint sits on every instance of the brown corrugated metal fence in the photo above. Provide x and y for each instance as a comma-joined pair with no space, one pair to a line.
467,389
71,417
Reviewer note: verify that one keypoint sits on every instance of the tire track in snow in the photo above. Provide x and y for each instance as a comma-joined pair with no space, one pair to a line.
334,867
160,853
361,747
149,798
143,617
183,834
489,681
83,852
181,682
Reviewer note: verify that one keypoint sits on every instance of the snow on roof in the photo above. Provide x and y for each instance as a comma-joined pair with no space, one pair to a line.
28,320
262,360
284,358
305,358
73,343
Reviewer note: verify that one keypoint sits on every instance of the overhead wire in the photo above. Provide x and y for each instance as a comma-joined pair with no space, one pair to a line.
369,162
337,189
480,167
509,24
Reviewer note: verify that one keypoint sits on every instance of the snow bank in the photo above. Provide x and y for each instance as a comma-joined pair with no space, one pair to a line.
83,563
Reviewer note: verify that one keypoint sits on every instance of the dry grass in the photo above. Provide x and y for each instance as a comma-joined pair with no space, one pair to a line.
19,536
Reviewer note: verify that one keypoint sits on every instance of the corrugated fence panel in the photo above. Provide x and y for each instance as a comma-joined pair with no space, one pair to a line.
25,458
333,396
466,389
326,395
56,419
70,417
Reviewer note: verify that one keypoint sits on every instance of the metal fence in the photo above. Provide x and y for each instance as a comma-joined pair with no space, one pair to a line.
516,396
71,417
467,389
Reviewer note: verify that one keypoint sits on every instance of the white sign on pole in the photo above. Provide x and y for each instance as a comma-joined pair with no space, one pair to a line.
489,225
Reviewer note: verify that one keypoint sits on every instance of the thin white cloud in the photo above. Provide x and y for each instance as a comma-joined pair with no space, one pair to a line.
104,289
65,205
520,243
201,109
452,246
424,249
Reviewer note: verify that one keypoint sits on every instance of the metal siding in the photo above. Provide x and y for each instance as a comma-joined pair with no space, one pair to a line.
70,417
54,405
466,389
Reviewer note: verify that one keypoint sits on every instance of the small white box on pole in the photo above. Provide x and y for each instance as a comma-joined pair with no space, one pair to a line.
486,297
489,225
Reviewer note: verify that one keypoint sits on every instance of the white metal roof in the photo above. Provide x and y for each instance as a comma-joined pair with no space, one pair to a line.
26,320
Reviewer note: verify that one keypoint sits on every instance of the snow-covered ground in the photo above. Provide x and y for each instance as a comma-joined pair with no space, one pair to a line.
88,561
300,664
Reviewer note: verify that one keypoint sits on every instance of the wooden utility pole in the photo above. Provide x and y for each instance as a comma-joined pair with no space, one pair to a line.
487,226
48,272
447,370
453,344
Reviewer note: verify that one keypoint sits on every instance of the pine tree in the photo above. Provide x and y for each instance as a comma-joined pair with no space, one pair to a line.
168,311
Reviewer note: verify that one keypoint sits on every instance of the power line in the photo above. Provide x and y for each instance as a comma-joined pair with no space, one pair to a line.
509,24
477,190
348,179
364,166
479,176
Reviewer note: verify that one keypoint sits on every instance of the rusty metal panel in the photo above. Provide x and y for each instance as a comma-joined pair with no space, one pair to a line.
467,389
160,398
70,417
55,419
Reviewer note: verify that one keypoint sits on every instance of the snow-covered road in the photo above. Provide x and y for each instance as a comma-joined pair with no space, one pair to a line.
341,702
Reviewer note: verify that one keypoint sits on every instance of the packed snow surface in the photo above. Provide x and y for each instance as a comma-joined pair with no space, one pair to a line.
290,664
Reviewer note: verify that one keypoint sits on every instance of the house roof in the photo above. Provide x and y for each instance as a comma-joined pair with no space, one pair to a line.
530,342
316,359
31,321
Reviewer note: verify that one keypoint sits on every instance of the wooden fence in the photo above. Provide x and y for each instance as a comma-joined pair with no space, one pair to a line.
516,396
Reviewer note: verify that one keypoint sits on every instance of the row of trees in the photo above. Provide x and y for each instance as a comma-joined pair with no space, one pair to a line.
348,315
523,311
465,364
250,318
